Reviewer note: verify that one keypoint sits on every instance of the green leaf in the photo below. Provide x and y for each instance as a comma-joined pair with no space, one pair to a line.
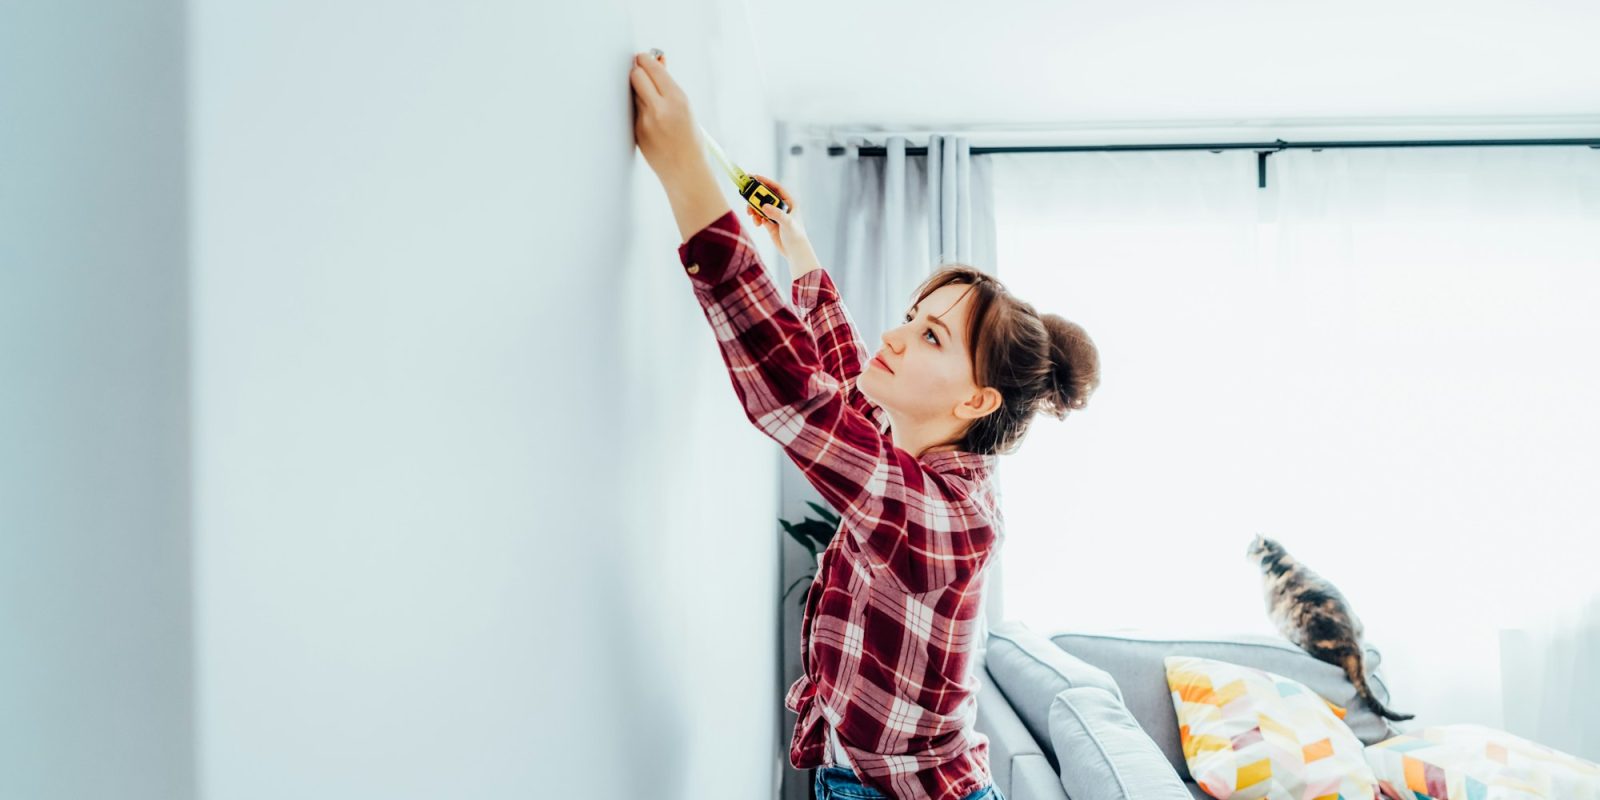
827,513
806,577
804,541
817,531
800,536
812,534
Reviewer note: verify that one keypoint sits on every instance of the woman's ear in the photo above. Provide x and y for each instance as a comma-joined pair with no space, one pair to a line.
982,403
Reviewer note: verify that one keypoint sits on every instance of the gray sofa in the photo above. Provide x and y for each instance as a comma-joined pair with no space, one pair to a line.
1121,736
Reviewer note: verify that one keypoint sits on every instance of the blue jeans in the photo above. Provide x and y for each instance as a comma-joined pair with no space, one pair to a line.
839,783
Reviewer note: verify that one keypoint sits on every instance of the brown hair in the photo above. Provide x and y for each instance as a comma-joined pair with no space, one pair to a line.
1038,363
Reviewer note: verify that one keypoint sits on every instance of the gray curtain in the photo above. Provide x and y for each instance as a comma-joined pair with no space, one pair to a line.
880,225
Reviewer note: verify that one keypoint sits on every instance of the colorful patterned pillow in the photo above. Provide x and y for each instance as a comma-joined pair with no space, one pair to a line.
1472,762
1249,734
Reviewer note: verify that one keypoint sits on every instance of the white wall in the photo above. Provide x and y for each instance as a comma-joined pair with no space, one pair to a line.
94,537
386,300
477,512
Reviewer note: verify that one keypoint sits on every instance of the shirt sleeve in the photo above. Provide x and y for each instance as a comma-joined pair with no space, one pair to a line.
914,522
844,354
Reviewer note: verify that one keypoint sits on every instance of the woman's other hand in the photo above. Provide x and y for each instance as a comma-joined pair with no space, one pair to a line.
786,228
663,124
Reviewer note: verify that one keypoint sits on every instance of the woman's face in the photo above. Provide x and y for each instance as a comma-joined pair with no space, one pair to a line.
929,373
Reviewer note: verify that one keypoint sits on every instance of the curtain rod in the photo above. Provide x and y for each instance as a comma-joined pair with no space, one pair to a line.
1263,149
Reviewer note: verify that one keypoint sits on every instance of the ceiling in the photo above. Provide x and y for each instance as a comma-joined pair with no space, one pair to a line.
1060,65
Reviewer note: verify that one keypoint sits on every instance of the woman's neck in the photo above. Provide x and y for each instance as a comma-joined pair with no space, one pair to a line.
920,443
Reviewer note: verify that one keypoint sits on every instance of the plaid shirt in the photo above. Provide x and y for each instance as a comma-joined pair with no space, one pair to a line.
893,616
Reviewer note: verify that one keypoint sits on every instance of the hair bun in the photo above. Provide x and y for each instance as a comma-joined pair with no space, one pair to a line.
1076,366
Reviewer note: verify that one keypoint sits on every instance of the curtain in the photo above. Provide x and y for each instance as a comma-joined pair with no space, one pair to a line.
1382,360
1548,669
880,225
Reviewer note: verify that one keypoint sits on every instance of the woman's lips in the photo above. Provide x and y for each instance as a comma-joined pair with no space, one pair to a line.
883,366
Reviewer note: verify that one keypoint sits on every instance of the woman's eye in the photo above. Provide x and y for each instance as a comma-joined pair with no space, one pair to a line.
927,332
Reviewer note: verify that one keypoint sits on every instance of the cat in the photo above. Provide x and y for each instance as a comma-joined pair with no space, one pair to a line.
1311,613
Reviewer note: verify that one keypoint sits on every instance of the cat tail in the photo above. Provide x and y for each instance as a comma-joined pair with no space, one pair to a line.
1350,660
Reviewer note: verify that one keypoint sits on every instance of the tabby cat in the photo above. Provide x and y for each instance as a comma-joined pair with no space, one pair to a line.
1310,611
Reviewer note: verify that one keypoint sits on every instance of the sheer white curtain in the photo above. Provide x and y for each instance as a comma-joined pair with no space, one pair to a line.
1384,360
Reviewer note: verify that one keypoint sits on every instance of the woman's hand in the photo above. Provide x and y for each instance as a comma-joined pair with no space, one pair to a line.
786,228
666,133
663,124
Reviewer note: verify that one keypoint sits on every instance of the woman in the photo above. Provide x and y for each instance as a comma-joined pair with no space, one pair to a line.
903,447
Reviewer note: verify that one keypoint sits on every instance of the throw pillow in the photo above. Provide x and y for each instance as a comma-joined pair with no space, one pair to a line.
1248,733
1474,762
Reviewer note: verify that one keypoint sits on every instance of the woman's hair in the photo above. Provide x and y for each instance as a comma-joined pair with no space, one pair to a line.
1038,363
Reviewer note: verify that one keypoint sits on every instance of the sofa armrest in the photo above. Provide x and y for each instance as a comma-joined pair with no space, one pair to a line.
1032,778
1009,740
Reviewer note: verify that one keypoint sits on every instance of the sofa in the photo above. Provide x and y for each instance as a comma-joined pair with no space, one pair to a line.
1105,696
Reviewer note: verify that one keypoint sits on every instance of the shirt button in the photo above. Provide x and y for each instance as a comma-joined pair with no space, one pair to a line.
694,269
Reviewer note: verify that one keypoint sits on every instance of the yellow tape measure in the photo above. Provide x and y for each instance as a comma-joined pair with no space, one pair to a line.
753,191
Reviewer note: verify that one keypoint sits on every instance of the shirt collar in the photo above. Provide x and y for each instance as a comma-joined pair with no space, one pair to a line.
959,461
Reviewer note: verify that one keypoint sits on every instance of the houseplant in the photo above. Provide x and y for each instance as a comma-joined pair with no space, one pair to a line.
813,534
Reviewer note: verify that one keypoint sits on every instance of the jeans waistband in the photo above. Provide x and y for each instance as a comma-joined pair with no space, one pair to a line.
839,773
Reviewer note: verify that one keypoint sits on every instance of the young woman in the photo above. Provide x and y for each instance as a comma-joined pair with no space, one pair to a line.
901,444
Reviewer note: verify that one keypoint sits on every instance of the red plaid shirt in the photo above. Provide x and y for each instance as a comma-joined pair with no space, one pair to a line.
893,617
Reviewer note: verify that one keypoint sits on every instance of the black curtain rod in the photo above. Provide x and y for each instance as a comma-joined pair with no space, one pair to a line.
1263,149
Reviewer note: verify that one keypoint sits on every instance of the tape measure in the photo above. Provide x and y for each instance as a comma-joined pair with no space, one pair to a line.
753,191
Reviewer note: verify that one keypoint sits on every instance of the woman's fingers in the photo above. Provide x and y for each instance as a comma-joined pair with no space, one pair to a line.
658,74
770,182
770,213
643,88
762,221
777,189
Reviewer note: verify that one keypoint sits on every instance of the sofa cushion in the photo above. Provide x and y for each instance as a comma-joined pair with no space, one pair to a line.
1134,662
1470,760
1249,733
1030,672
1104,754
